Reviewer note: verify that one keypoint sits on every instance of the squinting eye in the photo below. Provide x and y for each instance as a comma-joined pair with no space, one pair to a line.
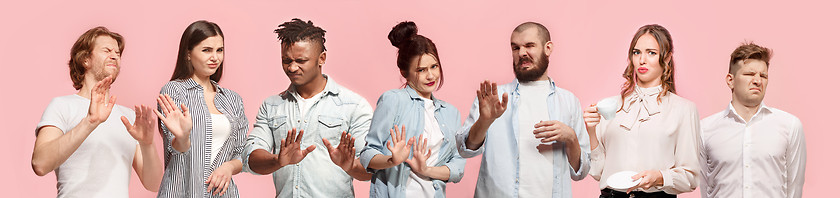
287,61
220,50
205,50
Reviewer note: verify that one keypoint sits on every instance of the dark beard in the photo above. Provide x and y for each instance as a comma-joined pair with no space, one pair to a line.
532,74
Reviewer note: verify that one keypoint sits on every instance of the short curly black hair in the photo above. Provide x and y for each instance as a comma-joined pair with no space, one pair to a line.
297,30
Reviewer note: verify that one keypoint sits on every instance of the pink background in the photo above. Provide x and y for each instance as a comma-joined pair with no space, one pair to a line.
591,39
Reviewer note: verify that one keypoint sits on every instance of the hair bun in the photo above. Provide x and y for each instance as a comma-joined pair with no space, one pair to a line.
402,32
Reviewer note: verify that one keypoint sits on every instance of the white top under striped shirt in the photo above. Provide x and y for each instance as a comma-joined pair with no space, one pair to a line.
221,132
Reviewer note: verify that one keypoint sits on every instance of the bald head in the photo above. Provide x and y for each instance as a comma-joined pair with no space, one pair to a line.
544,35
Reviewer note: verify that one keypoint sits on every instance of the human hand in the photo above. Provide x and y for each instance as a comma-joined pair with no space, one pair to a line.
421,154
290,152
345,153
219,180
489,106
398,146
649,179
592,118
101,101
144,124
178,121
554,130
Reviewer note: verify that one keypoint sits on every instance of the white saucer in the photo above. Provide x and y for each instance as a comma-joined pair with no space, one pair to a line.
622,180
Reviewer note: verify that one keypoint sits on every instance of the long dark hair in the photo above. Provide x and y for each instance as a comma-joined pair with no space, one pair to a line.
410,44
193,35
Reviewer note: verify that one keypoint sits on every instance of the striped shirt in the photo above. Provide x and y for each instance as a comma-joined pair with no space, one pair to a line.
186,172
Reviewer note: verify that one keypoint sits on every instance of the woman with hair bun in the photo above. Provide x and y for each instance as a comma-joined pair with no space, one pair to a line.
418,158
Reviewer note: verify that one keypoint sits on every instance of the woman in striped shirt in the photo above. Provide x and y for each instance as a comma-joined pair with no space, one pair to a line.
202,142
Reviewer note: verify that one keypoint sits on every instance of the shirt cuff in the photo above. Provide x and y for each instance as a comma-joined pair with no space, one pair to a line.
667,179
366,156
245,156
466,152
583,170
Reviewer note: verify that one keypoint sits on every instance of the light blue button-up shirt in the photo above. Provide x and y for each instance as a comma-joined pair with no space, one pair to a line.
499,174
404,107
337,110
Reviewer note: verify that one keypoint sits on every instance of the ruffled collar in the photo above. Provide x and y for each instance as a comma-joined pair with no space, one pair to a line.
640,106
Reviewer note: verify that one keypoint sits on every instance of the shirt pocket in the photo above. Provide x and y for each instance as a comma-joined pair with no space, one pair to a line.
330,127
278,126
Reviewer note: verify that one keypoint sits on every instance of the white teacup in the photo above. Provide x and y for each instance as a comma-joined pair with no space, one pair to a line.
607,107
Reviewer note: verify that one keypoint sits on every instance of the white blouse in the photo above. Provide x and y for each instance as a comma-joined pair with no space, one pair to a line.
647,134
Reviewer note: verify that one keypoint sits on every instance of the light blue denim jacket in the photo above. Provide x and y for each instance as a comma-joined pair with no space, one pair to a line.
404,107
499,173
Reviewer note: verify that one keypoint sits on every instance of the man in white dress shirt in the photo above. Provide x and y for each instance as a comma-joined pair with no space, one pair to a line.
750,149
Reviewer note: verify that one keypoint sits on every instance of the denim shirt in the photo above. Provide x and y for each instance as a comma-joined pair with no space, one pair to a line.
404,107
338,109
499,173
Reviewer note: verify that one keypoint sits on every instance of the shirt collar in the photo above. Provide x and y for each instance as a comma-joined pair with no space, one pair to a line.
762,109
330,88
414,96
191,84
550,83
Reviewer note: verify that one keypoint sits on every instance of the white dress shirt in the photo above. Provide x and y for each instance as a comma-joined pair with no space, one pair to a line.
764,157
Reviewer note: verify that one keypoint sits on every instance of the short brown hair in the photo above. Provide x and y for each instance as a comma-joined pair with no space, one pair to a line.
748,50
83,47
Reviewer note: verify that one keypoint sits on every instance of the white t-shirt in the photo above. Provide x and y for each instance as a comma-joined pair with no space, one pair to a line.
221,132
305,104
421,186
536,159
101,166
